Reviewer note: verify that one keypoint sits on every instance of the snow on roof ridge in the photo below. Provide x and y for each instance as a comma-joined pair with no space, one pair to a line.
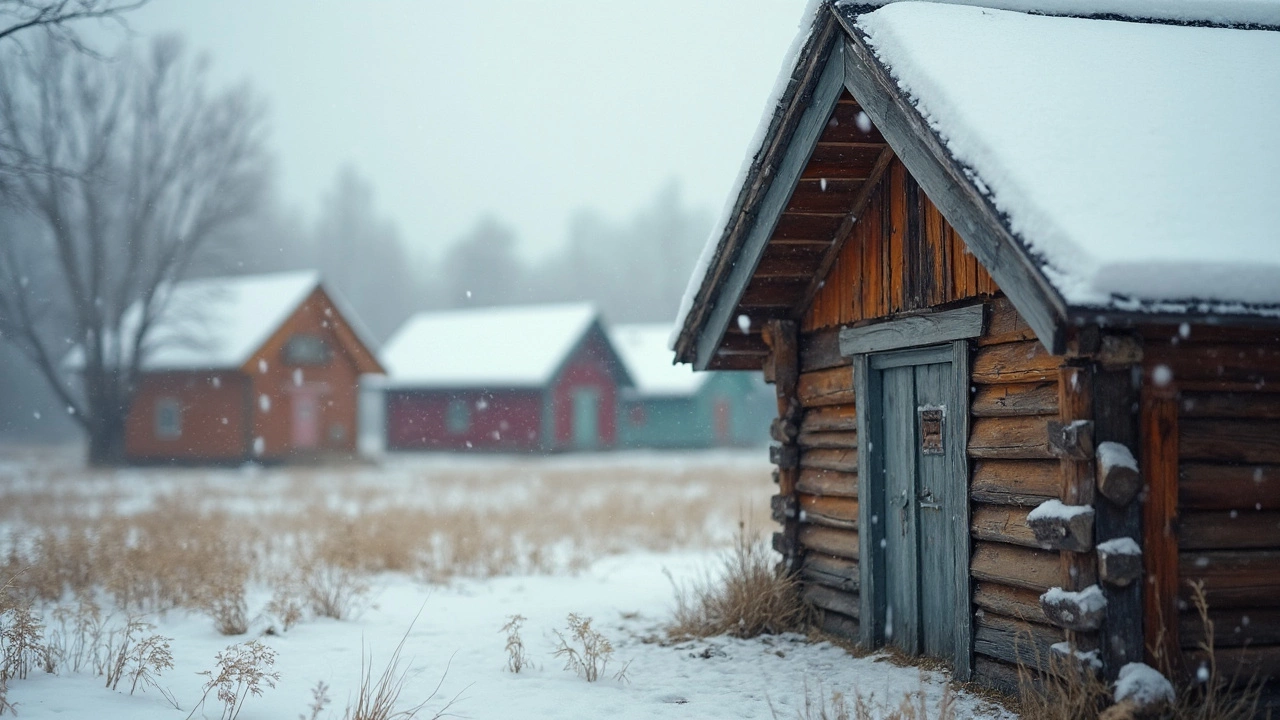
649,362
1087,165
1231,13
498,346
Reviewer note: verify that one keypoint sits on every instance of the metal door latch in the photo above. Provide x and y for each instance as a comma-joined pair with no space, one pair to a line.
931,419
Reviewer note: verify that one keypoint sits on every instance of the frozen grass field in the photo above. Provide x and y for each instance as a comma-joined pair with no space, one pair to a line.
468,542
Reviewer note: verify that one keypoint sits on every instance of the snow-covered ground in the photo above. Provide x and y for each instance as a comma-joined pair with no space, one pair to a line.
456,641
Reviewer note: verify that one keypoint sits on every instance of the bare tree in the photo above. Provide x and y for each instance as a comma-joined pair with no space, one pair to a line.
151,166
58,16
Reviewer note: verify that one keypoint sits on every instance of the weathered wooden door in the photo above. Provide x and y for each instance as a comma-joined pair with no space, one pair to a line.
917,496
586,417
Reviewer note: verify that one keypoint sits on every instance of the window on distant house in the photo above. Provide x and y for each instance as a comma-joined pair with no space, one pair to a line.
458,417
305,349
168,418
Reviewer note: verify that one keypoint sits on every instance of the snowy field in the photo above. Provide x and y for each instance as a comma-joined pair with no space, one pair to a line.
466,542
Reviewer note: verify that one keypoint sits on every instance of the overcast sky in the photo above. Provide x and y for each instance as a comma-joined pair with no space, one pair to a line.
524,110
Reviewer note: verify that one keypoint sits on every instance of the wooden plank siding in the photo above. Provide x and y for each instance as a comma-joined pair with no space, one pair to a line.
1221,408
902,256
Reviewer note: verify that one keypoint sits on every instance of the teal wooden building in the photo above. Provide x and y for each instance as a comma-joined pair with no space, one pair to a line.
671,406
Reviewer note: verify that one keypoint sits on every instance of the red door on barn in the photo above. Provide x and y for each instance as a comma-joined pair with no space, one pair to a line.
306,419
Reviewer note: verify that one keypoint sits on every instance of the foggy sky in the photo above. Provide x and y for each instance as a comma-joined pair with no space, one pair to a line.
526,111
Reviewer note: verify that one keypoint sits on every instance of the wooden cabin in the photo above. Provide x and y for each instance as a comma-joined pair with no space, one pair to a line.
670,406
263,367
526,378
1015,278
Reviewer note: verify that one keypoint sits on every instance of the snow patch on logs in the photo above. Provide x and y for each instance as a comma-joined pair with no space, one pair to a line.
1058,526
1084,660
1118,477
1119,561
1081,611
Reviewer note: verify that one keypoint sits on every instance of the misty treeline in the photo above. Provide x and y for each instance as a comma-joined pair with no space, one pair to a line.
122,173
633,268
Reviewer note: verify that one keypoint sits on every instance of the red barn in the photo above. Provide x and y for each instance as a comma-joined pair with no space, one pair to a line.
511,378
264,367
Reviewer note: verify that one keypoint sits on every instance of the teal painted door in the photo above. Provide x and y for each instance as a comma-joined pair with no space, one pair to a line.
923,500
586,417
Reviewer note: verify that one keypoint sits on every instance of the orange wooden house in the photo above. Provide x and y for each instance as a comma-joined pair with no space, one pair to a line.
262,367
1016,279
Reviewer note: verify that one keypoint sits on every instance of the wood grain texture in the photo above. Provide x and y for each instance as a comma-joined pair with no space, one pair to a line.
1208,486
835,512
1010,438
838,459
826,387
1159,465
841,543
1025,361
1014,602
831,599
835,572
1025,483
833,483
1017,566
1002,523
913,331
1011,400
830,418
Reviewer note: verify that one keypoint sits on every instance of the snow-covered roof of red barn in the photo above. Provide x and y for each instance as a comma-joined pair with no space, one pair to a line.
1125,144
495,347
219,323
644,351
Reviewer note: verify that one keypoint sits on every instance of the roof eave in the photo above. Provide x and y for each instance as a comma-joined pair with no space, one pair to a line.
786,117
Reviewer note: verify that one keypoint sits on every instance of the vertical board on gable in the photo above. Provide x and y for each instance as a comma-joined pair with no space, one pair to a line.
901,255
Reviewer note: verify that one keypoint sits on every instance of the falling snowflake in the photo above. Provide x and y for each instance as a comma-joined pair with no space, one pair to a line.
262,365
297,377
259,445
264,403
744,324
1162,375
863,122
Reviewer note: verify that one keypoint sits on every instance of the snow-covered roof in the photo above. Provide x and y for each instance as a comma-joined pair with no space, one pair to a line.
214,323
648,360
1138,161
500,347
1124,150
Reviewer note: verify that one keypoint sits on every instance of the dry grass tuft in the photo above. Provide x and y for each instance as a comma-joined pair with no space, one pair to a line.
241,671
820,705
749,596
586,651
378,698
1068,690
1215,695
517,657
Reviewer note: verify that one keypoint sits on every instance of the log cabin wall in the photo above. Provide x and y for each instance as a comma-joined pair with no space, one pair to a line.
1211,419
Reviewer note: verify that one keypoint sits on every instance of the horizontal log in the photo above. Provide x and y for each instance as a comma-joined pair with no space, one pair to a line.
1014,641
1116,473
1262,406
1118,566
1010,438
829,418
1209,335
1010,601
781,292
1008,400
841,543
1242,529
785,456
835,512
1025,483
826,598
783,508
820,350
1199,367
814,481
816,196
1071,440
842,160
1064,527
830,439
840,459
1000,676
1232,579
841,626
1002,523
1205,486
833,386
1081,611
1017,362
1241,441
1018,566
834,572
1231,628
1242,663
1004,324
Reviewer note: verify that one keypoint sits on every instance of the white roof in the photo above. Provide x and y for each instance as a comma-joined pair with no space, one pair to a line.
648,360
1138,161
215,323
501,347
